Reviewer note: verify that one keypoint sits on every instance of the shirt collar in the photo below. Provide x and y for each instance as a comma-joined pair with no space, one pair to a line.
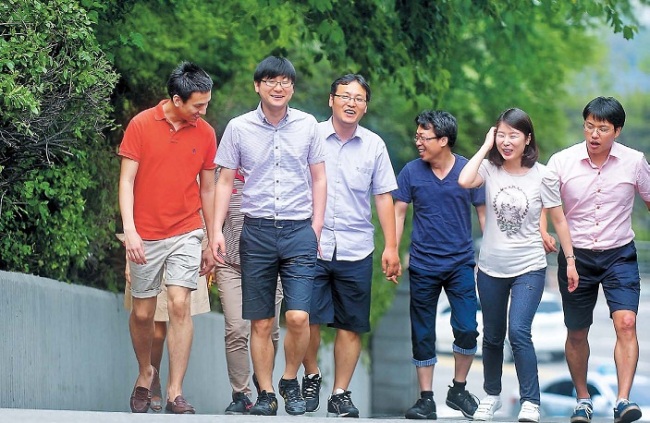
329,126
159,114
262,116
615,151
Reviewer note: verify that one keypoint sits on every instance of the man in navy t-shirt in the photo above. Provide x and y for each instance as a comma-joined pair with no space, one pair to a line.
441,256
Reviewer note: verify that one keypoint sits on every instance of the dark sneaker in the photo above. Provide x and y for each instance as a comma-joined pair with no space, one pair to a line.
462,401
423,409
240,404
626,412
311,391
340,405
294,403
582,413
266,405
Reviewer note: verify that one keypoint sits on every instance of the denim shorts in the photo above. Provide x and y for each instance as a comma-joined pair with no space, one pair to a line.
341,294
269,248
178,258
617,269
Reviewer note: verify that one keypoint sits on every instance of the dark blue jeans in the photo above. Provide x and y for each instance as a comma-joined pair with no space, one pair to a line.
425,290
523,292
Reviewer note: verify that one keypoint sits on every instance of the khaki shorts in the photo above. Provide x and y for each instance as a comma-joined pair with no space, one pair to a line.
199,298
176,260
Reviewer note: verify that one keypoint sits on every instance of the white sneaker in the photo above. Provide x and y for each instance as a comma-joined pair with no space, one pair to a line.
487,407
529,412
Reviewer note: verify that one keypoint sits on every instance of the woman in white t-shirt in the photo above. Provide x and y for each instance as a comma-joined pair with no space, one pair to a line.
512,260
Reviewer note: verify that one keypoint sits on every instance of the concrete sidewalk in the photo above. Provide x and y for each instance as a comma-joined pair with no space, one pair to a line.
11,415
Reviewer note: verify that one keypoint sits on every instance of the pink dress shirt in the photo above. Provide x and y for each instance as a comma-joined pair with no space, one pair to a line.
598,200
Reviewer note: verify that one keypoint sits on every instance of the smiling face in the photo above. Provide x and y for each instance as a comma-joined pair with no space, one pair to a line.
348,112
429,145
511,143
192,109
274,98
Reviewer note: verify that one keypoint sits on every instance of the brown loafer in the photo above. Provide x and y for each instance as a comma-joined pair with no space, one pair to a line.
140,400
156,393
179,406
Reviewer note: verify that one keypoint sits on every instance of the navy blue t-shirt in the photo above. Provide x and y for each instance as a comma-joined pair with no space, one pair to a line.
442,219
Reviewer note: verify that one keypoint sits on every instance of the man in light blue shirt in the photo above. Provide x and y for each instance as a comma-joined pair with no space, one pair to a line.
358,167
277,150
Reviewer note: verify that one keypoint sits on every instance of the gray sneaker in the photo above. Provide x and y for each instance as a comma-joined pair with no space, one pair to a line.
340,405
294,403
311,391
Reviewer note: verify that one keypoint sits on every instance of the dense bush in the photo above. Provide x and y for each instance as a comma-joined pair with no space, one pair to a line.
55,87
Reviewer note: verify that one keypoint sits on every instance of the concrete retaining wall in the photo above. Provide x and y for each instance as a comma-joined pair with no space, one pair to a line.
67,347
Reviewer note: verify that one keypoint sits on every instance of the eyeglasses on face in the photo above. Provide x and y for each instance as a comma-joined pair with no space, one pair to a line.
601,130
271,83
420,137
346,98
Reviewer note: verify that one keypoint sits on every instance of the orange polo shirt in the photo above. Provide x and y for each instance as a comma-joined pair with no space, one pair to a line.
166,191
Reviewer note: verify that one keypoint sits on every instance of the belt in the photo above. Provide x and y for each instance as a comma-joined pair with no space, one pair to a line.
279,224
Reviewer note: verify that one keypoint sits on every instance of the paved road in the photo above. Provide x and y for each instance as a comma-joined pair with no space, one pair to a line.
61,416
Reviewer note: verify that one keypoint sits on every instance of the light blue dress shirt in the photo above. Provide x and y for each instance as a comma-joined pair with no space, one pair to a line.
355,170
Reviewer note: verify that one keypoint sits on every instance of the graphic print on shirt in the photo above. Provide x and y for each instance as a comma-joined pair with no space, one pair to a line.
511,207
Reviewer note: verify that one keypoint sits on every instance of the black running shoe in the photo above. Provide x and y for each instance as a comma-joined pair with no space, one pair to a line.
266,405
423,409
240,404
311,391
340,405
294,403
462,401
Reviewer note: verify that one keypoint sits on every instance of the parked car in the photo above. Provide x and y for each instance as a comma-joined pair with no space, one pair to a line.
549,332
558,395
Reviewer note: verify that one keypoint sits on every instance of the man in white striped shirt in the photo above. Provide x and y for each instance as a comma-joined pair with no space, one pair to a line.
278,152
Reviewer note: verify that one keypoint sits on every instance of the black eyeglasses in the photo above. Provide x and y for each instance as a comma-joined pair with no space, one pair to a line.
419,137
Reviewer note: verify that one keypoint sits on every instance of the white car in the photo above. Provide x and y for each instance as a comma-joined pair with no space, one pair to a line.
558,395
549,332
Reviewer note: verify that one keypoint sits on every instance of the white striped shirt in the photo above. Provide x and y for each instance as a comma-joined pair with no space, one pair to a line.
274,161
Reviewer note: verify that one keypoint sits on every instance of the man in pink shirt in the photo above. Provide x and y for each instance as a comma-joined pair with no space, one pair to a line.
598,181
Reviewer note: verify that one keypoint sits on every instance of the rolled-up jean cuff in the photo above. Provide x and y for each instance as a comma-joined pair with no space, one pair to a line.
425,363
463,351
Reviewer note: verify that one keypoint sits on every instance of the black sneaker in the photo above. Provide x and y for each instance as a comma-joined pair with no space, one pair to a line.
240,404
462,401
311,391
340,405
294,403
266,405
423,409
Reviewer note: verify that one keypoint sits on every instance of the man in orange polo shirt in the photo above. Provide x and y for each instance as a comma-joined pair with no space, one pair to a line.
163,151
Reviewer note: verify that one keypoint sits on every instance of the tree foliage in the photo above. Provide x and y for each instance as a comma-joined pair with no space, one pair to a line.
55,86
58,177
